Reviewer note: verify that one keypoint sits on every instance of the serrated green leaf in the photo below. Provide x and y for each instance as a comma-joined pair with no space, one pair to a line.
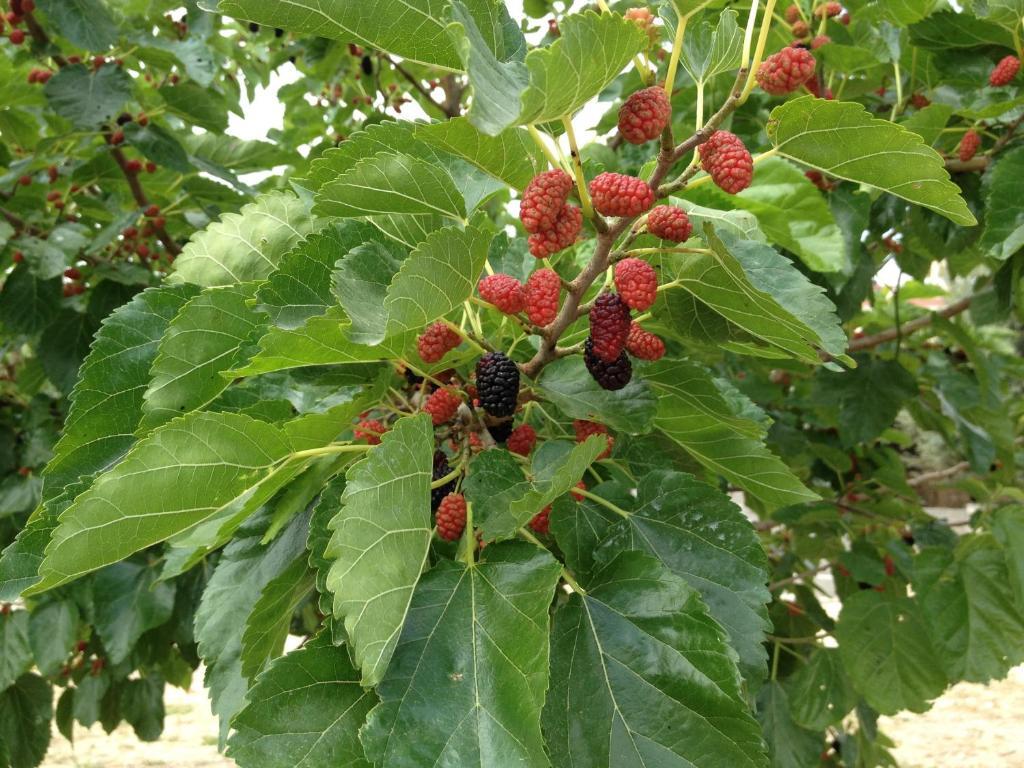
699,534
887,653
381,536
1004,212
15,650
471,668
708,52
789,745
317,687
234,589
88,98
819,693
554,81
178,476
86,24
211,334
237,155
129,602
158,145
569,385
26,709
869,396
843,140
247,245
197,105
511,156
697,417
634,653
52,631
1008,529
267,627
392,183
28,304
361,280
968,603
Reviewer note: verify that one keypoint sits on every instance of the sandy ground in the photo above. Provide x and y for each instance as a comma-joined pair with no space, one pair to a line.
971,726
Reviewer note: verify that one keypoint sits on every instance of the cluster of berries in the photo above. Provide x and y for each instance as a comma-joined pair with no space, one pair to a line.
19,9
551,221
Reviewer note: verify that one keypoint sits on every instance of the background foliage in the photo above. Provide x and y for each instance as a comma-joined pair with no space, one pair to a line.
187,342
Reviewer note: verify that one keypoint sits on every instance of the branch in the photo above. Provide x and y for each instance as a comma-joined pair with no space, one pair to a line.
140,198
446,109
939,474
890,334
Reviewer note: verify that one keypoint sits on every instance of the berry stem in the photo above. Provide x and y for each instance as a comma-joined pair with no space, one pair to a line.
677,50
451,475
602,501
469,538
748,35
479,346
538,139
577,169
898,106
328,450
762,41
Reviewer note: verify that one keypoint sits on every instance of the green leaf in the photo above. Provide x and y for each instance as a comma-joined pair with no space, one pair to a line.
237,155
511,156
1004,212
142,703
950,30
26,709
969,605
637,652
1008,529
791,212
15,650
568,385
267,626
197,105
708,52
819,692
106,404
699,534
929,122
381,537
361,279
471,668
88,698
886,650
552,82
63,347
28,304
555,470
317,687
215,332
243,571
89,99
389,183
440,275
789,745
693,413
84,23
843,140
417,33
869,396
247,245
129,602
158,145
300,288
180,475
52,631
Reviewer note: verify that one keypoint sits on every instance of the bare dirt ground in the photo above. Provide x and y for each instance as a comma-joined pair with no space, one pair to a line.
971,726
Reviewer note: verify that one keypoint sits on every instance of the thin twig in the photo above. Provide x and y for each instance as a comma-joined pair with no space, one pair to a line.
868,342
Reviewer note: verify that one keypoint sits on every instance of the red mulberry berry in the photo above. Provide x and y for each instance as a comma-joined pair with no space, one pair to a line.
1004,72
615,194
522,440
969,145
637,283
644,345
451,517
369,430
670,223
497,383
585,429
504,292
541,522
609,326
800,29
727,161
785,71
792,14
644,115
919,101
611,376
817,178
17,36
829,10
819,41
566,230
441,406
543,200
436,342
814,88
542,292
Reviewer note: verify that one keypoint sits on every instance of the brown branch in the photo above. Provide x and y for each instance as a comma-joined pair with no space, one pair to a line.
40,36
891,334
939,474
19,224
446,109
140,197
606,238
